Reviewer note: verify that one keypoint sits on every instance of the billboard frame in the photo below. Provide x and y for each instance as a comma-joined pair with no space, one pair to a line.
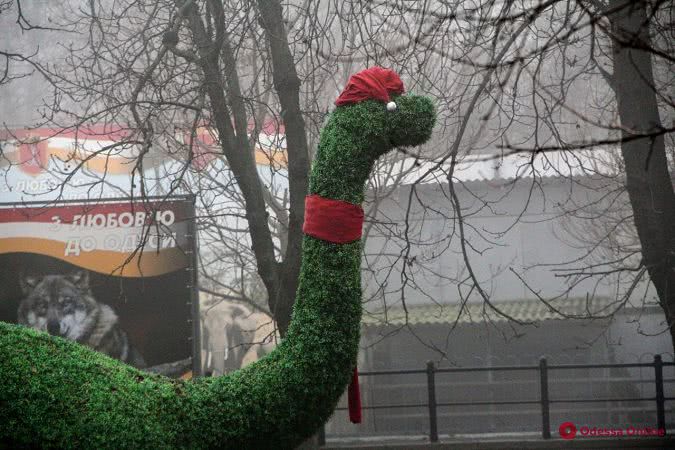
191,251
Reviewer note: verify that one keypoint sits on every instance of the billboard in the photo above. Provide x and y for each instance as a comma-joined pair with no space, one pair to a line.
117,276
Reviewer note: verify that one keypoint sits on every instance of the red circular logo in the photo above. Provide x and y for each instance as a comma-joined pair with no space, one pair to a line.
567,430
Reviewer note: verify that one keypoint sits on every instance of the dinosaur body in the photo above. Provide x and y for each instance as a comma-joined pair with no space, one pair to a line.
56,393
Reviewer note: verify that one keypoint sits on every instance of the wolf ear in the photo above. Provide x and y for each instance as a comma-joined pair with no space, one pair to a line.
28,283
80,279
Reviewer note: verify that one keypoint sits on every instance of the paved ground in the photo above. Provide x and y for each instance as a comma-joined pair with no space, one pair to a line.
509,444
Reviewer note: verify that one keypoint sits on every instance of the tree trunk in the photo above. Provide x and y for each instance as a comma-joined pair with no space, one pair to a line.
287,86
649,185
280,279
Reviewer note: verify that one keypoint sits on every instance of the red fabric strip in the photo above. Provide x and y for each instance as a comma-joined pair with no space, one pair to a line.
332,220
354,398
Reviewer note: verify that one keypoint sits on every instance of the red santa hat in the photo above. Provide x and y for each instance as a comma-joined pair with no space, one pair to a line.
374,83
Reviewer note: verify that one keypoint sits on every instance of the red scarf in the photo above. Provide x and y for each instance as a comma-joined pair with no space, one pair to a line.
332,220
338,222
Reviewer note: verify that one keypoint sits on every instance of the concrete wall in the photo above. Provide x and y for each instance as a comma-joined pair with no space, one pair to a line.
522,225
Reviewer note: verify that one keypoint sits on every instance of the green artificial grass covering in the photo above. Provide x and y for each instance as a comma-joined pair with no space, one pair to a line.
56,393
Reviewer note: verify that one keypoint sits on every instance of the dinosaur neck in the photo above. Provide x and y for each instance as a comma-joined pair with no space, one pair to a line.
309,371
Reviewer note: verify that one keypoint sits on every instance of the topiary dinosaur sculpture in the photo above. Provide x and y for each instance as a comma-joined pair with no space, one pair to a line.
55,393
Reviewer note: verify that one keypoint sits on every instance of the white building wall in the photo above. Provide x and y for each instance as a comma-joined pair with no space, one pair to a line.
522,228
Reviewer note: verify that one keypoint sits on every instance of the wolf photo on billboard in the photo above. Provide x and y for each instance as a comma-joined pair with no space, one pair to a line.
63,305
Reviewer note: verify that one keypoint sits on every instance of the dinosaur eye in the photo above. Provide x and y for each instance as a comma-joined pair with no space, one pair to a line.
391,106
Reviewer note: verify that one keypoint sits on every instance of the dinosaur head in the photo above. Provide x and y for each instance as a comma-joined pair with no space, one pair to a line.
378,127
373,108
410,122
373,116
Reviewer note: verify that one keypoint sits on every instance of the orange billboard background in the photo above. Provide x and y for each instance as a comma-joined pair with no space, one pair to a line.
124,239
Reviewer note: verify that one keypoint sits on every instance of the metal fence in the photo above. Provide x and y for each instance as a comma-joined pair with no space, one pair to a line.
545,401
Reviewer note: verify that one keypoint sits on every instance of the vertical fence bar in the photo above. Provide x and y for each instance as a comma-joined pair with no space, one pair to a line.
431,388
658,380
545,406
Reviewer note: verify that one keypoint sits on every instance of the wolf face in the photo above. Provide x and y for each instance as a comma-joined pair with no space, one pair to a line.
63,306
58,304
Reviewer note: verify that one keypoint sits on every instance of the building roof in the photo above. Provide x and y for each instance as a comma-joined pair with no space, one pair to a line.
529,311
487,167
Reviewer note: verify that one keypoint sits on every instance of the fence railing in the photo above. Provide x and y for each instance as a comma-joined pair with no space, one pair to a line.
545,402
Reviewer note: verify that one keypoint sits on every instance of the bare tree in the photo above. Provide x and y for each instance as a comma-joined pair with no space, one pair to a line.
509,80
554,80
648,180
160,72
207,82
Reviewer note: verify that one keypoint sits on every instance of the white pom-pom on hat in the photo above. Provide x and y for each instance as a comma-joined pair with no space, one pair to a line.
391,106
